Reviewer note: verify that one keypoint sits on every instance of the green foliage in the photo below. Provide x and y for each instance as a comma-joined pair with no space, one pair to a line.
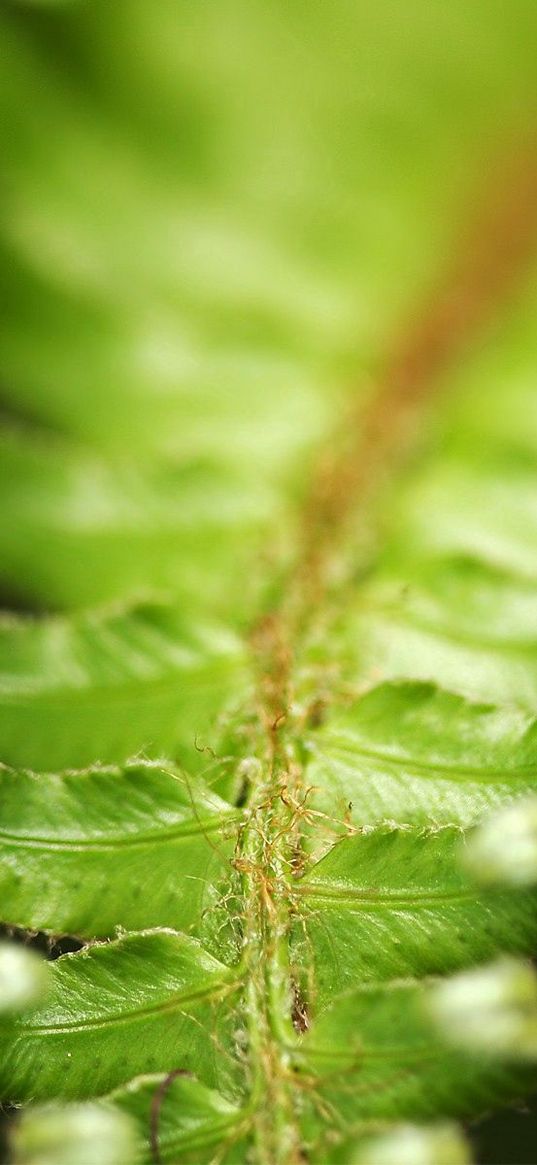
247,743
102,686
72,844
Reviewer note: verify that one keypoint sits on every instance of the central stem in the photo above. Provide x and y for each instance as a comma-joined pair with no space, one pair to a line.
266,867
266,864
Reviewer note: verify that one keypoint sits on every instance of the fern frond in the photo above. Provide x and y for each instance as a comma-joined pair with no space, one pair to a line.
269,446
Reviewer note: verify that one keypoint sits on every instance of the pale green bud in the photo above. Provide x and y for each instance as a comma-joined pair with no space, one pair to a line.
25,978
490,1010
77,1134
442,1144
503,847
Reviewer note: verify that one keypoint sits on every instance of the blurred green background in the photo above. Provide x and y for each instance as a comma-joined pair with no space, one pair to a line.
215,217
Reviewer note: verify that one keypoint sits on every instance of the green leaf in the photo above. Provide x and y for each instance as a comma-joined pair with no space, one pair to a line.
149,1001
101,687
78,531
391,903
189,1120
465,625
85,853
375,1055
413,752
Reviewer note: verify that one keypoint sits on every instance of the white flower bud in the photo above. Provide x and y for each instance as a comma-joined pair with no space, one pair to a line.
77,1134
25,978
490,1010
503,847
442,1144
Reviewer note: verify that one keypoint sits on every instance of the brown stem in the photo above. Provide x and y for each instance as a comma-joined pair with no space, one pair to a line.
494,251
156,1105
